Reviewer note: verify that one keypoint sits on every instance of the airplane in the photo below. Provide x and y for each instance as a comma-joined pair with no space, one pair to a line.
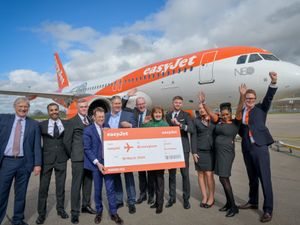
218,72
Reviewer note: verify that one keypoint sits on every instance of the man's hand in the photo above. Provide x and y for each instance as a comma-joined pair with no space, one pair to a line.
175,122
196,157
37,170
201,97
242,89
273,76
125,124
132,92
101,168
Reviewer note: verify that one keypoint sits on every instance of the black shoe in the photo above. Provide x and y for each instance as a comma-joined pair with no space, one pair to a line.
40,219
88,209
132,209
120,205
248,206
224,208
74,219
117,219
170,203
207,206
153,206
266,217
20,223
141,199
98,218
186,204
63,214
150,200
232,211
159,210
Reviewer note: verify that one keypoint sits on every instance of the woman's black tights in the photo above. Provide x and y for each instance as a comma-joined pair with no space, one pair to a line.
228,192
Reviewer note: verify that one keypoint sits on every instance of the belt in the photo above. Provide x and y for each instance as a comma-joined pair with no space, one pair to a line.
13,157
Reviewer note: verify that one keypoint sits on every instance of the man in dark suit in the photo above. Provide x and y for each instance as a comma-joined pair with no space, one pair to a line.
255,141
140,112
81,178
54,158
94,161
20,154
119,118
177,117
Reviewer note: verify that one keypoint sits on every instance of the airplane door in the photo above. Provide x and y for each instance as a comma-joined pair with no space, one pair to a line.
206,70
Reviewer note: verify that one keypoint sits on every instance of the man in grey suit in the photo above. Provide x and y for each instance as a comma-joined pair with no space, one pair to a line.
81,178
54,158
177,117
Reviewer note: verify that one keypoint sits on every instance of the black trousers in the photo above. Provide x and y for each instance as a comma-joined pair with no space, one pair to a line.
257,161
185,180
146,184
60,170
81,179
159,185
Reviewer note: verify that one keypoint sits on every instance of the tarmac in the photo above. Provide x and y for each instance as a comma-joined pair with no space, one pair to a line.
285,167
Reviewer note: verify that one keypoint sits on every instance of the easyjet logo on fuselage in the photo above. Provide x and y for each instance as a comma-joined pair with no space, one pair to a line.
179,63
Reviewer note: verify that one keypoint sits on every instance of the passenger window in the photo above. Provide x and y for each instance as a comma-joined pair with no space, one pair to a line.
242,59
254,58
269,57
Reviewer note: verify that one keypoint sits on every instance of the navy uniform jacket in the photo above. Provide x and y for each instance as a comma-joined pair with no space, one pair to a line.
31,143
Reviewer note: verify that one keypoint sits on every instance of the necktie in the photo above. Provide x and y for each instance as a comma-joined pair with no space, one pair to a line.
85,121
17,138
55,130
140,119
247,123
176,115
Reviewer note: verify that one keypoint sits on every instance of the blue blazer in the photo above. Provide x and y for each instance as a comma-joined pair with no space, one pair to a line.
125,116
257,121
31,143
92,145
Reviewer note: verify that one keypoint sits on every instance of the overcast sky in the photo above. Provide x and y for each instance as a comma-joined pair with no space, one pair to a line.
107,37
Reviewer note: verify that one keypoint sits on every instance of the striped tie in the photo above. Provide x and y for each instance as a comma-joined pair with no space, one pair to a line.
17,138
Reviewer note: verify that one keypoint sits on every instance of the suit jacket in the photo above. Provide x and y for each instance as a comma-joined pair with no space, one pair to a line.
185,119
257,121
92,147
202,137
53,148
73,139
125,116
31,142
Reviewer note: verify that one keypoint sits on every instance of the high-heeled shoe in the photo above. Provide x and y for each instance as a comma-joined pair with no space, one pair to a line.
202,205
224,208
207,206
232,211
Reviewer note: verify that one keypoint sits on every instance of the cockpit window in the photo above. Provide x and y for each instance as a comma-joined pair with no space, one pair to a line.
242,59
254,58
269,57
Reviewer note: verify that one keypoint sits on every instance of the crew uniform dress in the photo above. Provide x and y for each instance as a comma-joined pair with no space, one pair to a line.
202,144
224,147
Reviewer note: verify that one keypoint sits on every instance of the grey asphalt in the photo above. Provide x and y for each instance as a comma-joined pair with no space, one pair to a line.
286,187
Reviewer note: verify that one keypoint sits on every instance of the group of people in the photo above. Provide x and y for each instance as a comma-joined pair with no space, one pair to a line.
27,146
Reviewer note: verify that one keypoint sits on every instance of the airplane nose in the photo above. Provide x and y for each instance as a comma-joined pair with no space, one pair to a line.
289,79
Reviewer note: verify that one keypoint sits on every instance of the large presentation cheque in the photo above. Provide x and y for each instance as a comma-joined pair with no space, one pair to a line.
138,149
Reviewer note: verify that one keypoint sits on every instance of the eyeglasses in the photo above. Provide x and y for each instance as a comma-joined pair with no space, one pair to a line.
250,98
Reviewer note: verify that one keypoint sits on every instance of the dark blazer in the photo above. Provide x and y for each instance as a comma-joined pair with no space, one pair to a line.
125,116
257,121
92,147
202,137
31,143
73,138
53,148
185,119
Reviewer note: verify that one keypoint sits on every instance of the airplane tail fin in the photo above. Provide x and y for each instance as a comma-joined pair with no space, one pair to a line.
62,78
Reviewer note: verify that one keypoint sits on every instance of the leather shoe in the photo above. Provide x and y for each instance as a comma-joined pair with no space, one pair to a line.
170,203
248,206
40,219
74,219
98,218
153,206
266,217
232,211
120,205
63,214
159,210
141,199
20,223
88,209
224,208
132,209
186,204
117,219
150,200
